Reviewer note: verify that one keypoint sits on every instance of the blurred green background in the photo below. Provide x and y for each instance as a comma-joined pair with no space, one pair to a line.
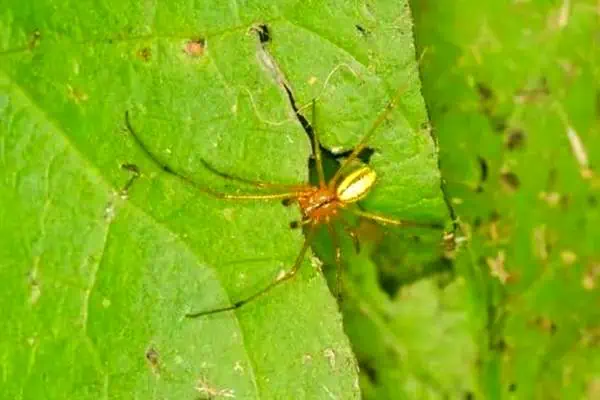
513,93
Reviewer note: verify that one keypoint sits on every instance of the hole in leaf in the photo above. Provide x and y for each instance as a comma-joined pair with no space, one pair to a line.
264,35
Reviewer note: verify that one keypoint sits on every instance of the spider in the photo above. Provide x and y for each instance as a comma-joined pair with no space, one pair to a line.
320,204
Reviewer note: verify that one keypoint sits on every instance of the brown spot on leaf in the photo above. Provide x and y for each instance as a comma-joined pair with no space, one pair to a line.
195,47
515,139
485,92
546,324
78,95
510,181
153,360
34,40
145,54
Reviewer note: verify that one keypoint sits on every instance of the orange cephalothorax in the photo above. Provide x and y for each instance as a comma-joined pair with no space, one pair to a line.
319,204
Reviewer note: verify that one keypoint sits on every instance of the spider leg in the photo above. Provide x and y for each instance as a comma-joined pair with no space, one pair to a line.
300,224
165,168
317,147
257,183
279,280
378,121
135,174
351,231
338,260
393,221
363,142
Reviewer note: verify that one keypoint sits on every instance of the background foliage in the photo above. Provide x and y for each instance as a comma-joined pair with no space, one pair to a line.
512,91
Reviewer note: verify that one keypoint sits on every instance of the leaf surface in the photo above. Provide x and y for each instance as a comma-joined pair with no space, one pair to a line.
95,283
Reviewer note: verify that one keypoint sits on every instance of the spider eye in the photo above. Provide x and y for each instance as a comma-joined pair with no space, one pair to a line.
356,185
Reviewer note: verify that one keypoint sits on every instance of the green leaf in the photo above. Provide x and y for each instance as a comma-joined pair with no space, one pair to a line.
95,281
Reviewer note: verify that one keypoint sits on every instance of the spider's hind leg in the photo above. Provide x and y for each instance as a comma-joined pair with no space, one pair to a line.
338,261
291,273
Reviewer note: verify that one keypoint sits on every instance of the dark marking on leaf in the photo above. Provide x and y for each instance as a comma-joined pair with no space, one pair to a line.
564,201
145,54
512,387
483,168
152,356
546,324
469,396
153,360
195,47
498,123
264,35
481,260
515,139
487,100
592,201
510,180
534,93
135,174
485,92
34,39
131,167
494,216
362,30
499,345
368,368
